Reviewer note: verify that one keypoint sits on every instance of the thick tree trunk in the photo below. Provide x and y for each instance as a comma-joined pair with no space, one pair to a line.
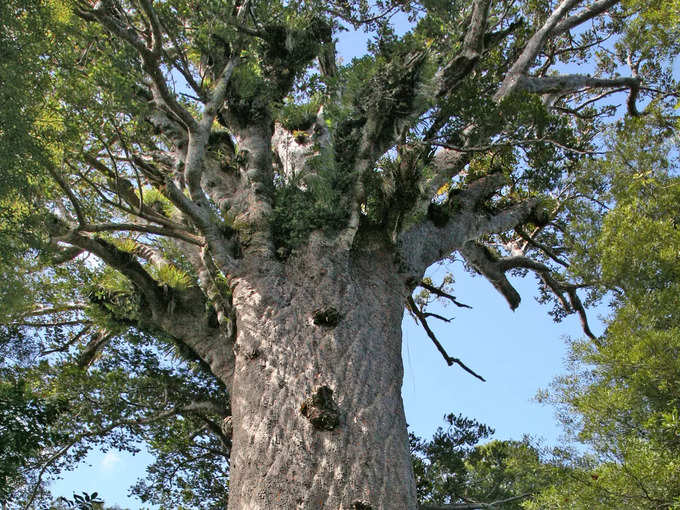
294,445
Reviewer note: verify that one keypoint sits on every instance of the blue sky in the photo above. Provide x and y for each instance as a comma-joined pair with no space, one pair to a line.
517,352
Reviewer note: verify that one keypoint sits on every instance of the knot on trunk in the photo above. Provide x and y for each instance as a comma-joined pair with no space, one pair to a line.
321,410
328,316
359,505
253,353
438,215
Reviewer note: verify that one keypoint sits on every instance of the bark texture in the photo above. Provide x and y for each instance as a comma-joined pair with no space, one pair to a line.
286,363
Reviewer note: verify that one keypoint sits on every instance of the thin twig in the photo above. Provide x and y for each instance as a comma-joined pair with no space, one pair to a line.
439,292
449,360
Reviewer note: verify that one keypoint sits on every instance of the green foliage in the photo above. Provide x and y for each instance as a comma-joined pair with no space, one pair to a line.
114,300
454,467
83,501
320,203
298,117
26,130
171,276
620,396
26,420
136,390
439,464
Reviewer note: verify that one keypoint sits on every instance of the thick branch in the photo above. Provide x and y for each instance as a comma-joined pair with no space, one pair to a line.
221,246
589,13
198,139
494,269
429,241
206,406
446,164
122,261
93,348
571,83
157,40
179,313
473,45
479,257
208,276
532,48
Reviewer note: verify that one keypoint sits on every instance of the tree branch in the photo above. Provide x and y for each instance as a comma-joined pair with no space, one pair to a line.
208,278
439,292
157,40
531,50
66,255
221,246
122,261
479,257
149,229
71,341
449,360
93,348
163,97
49,310
56,175
462,65
494,269
429,241
540,246
446,164
572,83
577,19
125,191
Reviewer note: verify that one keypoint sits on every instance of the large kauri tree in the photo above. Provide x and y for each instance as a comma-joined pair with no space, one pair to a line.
212,225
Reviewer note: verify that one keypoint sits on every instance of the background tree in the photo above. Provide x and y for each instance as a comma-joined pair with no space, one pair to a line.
620,397
455,471
211,227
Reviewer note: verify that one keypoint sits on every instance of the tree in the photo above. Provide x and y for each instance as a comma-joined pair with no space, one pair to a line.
25,421
217,226
620,396
80,502
453,471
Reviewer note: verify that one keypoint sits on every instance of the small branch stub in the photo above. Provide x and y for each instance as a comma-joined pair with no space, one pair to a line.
328,316
321,410
227,427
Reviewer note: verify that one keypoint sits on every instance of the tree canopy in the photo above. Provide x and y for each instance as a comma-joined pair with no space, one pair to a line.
164,161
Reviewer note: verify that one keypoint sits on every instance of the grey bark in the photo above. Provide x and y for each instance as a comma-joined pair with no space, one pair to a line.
280,458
